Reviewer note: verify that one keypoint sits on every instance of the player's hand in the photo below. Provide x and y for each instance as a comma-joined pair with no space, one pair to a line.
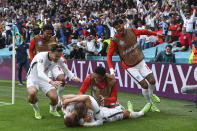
56,83
88,118
76,79
112,72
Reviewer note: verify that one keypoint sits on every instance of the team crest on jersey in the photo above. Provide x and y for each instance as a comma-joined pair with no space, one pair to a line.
40,43
41,60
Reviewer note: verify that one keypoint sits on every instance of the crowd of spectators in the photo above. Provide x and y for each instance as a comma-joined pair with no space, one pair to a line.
85,25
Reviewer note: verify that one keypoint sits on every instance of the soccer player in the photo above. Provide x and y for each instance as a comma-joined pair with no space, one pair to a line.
97,115
125,42
103,86
190,89
37,78
41,43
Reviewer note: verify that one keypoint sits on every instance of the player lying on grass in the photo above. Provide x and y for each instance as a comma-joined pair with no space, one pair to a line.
83,110
37,78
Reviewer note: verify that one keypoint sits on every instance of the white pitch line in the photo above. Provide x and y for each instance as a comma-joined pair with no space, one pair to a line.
4,103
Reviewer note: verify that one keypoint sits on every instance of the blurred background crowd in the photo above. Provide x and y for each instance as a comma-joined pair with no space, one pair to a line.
85,26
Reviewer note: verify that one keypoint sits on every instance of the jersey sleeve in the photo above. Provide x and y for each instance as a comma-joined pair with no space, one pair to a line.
113,96
85,85
110,53
143,32
31,48
40,71
65,68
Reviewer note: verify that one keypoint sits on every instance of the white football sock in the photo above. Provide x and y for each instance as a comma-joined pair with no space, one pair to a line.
35,106
52,108
59,90
136,114
146,95
151,89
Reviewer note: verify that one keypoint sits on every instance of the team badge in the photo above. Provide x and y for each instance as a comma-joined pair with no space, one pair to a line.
41,61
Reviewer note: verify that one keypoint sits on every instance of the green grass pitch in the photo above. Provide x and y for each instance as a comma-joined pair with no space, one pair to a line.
175,115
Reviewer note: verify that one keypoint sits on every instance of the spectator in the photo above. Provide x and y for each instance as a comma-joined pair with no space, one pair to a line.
21,59
91,46
77,53
188,21
166,56
193,54
63,34
105,47
184,41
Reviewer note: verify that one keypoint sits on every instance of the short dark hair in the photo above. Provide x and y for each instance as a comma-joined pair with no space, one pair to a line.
117,22
56,47
100,70
170,46
48,27
81,109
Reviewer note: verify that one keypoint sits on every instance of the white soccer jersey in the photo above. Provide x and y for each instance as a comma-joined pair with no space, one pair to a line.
68,108
38,74
41,65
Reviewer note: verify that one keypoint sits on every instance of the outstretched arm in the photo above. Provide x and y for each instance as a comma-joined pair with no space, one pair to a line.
64,66
110,53
76,98
93,123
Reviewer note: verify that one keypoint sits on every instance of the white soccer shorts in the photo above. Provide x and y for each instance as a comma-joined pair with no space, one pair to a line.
112,114
44,86
139,72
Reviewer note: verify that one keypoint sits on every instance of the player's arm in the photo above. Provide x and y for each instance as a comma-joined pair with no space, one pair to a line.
43,76
93,123
110,53
64,66
113,96
64,97
85,85
31,48
143,32
77,98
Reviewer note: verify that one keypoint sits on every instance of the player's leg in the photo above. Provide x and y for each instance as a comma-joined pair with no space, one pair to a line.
138,78
60,77
189,89
58,74
20,66
133,114
33,99
155,98
150,78
52,94
112,114
148,75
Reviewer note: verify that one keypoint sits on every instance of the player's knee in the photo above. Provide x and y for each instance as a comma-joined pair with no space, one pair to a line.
144,84
61,78
152,81
150,78
54,98
32,93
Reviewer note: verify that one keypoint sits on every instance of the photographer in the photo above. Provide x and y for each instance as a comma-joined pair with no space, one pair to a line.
77,53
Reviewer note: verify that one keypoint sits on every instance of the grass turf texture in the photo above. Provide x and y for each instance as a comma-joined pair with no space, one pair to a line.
175,115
